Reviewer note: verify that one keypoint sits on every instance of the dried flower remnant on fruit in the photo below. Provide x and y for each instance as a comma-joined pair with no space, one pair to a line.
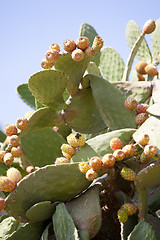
61,160
115,143
91,174
83,167
8,159
119,155
95,163
97,43
129,150
140,67
143,139
89,51
52,56
80,140
82,43
149,26
130,103
150,150
69,45
77,55
14,140
108,160
10,129
151,70
22,123
142,108
54,46
141,118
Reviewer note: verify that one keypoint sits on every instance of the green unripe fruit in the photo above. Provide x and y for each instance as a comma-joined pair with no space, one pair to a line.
128,174
122,215
72,141
61,160
130,208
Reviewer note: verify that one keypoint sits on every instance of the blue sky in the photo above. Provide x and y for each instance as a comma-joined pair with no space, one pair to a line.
29,27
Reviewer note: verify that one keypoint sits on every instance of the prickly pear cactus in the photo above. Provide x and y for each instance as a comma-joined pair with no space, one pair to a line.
89,148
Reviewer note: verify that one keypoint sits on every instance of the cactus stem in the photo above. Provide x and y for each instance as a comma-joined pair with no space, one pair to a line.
143,204
132,56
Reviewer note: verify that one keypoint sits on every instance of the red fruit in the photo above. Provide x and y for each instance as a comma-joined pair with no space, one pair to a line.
2,203
150,150
144,159
6,184
143,139
91,174
118,154
141,118
8,158
69,45
46,64
95,163
130,103
10,129
2,153
97,43
151,70
83,167
52,56
129,150
140,67
82,43
149,26
115,143
142,108
89,51
77,55
14,174
108,160
22,123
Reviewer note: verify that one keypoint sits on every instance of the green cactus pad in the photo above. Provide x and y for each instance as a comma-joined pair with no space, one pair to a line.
3,169
42,118
150,127
127,228
142,230
2,136
74,70
154,199
155,41
64,227
42,147
88,31
154,109
140,91
25,94
92,68
132,33
83,153
110,103
50,183
48,230
48,86
86,211
7,227
41,211
149,176
156,91
101,143
111,64
82,114
28,231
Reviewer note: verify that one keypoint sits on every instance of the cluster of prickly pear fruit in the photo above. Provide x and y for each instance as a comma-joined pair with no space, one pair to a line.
90,123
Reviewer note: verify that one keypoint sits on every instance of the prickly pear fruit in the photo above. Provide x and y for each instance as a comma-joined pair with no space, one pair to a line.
67,149
14,174
115,143
144,159
140,77
95,163
2,203
129,150
150,150
91,174
80,140
142,108
89,51
45,64
97,43
82,43
6,184
83,167
2,153
108,160
149,26
140,67
8,158
67,155
128,174
52,56
61,160
122,215
143,139
54,46
16,152
141,118
10,129
30,169
69,45
130,208
119,155
14,140
130,103
22,123
77,55
151,70
72,141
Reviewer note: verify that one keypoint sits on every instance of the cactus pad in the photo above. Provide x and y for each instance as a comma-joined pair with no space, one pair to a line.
48,87
111,64
25,94
154,109
155,41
